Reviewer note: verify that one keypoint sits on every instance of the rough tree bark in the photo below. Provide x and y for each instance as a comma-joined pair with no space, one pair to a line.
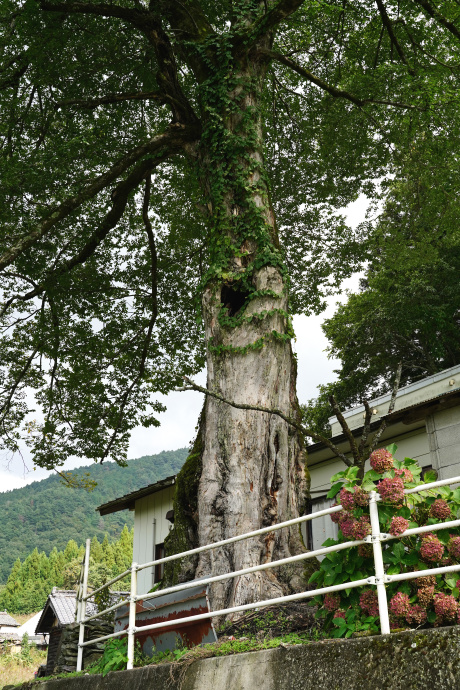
252,463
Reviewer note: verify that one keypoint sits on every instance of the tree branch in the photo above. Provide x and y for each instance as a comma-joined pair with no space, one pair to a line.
173,141
191,385
389,27
366,428
436,14
346,429
90,103
332,90
152,320
120,198
391,407
138,17
273,18
149,23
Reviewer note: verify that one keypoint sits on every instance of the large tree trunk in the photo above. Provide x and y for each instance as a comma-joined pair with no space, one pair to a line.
251,469
252,462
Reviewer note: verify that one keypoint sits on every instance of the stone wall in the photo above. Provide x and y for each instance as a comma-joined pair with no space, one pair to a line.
66,654
423,660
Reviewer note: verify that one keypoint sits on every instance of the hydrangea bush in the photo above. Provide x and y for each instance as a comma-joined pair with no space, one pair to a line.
423,601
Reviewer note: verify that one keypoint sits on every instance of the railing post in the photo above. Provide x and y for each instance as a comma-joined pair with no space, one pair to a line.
378,564
82,607
132,616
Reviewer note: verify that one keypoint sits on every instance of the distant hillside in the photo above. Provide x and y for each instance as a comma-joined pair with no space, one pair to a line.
47,514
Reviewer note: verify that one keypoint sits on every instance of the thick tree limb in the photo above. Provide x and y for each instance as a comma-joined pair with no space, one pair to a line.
436,14
346,429
138,17
89,103
120,198
149,23
391,407
190,25
192,386
273,18
172,142
366,428
393,38
332,90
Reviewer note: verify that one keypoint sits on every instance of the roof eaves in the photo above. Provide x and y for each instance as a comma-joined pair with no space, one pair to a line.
390,419
128,500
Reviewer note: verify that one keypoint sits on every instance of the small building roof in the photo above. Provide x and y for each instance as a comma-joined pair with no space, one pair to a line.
6,619
128,500
9,637
61,605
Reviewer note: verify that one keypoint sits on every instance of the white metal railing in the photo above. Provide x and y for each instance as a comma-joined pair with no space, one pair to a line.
379,580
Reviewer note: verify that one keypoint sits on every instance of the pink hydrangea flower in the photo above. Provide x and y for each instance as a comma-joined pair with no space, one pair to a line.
347,525
335,517
445,606
369,602
440,509
340,614
362,527
453,546
398,526
381,460
405,474
416,615
425,595
391,490
399,604
347,499
361,497
457,584
332,601
431,549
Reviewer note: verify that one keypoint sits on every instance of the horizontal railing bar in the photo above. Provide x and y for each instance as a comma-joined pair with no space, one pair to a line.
107,584
252,569
425,528
247,535
260,604
88,643
101,613
432,485
424,573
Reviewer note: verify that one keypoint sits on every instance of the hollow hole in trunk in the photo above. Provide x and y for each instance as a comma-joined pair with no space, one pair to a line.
233,299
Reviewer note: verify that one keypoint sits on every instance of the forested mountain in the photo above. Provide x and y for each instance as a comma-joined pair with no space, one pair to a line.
47,514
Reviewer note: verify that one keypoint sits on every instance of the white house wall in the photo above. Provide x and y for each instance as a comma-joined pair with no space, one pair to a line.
146,534
444,438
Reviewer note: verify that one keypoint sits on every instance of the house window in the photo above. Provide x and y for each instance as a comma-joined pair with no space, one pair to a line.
322,528
160,568
426,469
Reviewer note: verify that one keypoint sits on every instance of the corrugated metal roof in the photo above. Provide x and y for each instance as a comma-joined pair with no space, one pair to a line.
61,604
396,415
6,619
128,500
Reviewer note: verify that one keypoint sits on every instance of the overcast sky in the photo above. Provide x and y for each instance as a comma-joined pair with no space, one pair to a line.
178,423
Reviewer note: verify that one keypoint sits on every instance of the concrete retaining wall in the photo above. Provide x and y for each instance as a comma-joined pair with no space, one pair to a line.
425,660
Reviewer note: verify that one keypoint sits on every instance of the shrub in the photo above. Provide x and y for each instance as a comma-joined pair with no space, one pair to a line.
423,601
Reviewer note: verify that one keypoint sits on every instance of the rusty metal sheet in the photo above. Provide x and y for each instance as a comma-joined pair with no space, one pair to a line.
169,607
